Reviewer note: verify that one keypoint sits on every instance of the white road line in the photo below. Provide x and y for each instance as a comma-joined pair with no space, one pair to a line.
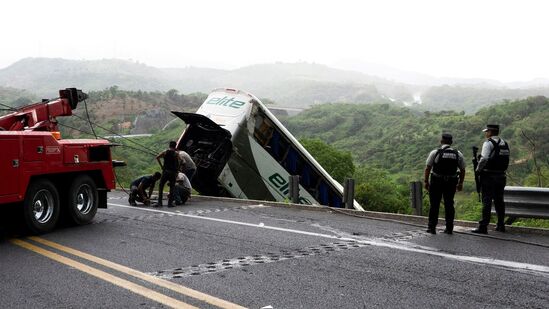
516,266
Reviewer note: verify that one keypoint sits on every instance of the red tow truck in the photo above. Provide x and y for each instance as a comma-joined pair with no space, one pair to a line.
49,176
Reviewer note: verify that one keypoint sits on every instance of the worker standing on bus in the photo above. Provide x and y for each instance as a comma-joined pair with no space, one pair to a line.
169,172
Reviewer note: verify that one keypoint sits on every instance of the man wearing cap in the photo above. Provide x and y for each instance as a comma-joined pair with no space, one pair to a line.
492,165
442,166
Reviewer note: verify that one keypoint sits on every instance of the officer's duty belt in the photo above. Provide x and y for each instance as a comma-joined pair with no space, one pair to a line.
493,172
444,177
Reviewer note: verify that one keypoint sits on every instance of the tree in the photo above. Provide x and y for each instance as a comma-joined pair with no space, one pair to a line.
113,90
376,191
537,168
172,94
339,164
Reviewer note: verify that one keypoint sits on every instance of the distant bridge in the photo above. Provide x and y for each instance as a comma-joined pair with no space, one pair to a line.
280,110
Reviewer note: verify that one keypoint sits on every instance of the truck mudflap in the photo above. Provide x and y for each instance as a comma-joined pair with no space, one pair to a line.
102,195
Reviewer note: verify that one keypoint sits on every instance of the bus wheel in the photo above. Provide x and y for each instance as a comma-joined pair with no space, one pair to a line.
41,206
82,200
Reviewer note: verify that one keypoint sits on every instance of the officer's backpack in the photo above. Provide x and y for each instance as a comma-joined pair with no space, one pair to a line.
446,162
499,157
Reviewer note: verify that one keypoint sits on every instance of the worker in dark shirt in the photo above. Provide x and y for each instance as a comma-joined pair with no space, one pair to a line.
138,187
169,172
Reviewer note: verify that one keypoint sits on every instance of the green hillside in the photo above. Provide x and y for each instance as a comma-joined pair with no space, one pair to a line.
16,97
471,99
398,139
290,84
287,84
129,112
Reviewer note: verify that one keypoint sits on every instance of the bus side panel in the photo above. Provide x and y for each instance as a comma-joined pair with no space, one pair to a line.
229,182
245,170
258,174
290,154
275,176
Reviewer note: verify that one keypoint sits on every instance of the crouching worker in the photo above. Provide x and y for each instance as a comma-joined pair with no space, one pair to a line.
182,189
138,187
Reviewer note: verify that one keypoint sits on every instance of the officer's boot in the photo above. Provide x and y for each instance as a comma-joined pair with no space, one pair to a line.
480,230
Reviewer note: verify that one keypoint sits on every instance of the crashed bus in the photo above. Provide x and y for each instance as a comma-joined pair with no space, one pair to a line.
241,150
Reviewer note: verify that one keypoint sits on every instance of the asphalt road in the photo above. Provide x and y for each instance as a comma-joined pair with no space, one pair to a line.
226,254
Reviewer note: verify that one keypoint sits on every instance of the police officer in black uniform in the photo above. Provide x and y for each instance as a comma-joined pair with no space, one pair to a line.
492,165
169,172
442,166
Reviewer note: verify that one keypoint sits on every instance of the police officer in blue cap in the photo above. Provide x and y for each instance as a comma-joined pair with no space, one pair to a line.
442,168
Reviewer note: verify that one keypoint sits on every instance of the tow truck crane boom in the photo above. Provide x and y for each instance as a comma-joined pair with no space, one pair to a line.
42,116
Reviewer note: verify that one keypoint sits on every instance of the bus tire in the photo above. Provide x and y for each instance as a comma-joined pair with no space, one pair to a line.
82,200
41,206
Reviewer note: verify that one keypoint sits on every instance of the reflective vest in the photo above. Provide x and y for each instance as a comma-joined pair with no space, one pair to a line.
446,162
499,157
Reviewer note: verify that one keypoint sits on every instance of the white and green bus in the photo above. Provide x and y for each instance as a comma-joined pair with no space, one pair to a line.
241,150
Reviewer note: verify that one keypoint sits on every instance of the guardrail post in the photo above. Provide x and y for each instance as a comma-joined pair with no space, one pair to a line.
416,197
349,193
294,189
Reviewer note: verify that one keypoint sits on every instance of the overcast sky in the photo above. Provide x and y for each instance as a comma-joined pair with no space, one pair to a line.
502,40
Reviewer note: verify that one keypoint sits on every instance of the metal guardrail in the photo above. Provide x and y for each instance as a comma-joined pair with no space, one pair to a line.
349,193
526,202
293,187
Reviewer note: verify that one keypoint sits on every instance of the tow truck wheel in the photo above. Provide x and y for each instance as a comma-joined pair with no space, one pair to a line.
82,200
41,206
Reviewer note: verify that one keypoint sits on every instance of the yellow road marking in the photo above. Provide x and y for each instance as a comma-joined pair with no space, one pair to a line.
132,272
138,289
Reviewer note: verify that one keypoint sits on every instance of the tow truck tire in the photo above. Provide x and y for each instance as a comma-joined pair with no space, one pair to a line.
82,200
41,206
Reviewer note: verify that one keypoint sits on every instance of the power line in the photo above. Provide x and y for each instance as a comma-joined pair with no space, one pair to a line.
91,134
150,151
89,121
11,108
145,149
